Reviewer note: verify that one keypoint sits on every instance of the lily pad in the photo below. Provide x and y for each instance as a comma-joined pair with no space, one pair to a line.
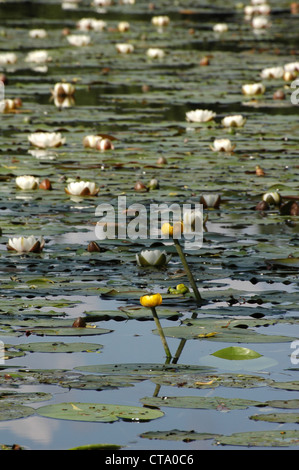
58,347
96,412
261,439
208,403
236,353
14,412
277,417
177,435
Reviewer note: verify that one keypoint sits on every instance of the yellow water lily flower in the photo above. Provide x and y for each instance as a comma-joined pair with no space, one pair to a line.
151,300
174,230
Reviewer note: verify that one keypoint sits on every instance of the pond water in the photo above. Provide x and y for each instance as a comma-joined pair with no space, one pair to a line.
246,269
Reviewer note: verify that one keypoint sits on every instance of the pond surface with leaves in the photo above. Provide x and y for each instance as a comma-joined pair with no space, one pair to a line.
108,382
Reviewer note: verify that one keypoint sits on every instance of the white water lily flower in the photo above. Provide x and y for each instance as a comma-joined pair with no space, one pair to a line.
152,258
102,3
27,182
263,9
8,105
26,244
272,72
236,120
82,188
253,89
222,145
123,26
200,115
38,33
260,22
87,24
155,53
63,89
124,48
78,40
162,20
292,67
91,141
8,58
38,57
46,139
220,28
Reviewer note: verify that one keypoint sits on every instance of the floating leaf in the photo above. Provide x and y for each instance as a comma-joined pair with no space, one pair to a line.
277,417
236,353
261,439
208,403
96,412
8,412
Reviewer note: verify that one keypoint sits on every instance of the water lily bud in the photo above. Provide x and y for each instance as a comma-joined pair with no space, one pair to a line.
46,184
167,229
162,161
294,209
139,186
294,7
290,208
17,102
104,144
153,184
155,258
94,247
123,26
3,78
272,198
79,323
259,171
279,95
182,289
151,300
178,228
262,206
204,61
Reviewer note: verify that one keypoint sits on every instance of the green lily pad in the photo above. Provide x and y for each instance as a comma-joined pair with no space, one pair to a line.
268,438
277,417
14,412
96,412
144,369
23,397
58,347
208,403
176,435
236,353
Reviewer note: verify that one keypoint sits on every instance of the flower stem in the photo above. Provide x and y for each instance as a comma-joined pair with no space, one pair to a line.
187,269
161,333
